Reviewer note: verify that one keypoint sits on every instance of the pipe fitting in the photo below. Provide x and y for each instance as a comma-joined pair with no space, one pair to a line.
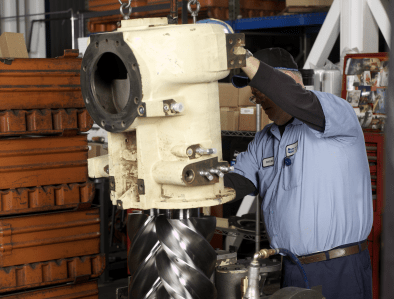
177,107
206,151
217,172
207,175
226,169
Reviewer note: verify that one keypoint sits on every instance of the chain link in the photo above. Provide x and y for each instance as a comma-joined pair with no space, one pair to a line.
126,16
193,12
128,4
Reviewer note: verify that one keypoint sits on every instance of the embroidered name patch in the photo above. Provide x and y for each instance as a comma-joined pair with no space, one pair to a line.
291,149
268,162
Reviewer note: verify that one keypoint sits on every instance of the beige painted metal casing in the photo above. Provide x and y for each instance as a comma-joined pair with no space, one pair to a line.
180,63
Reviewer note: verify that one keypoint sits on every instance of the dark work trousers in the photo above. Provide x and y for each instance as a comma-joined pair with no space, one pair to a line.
348,277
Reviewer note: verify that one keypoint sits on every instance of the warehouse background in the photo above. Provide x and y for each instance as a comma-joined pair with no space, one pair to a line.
48,35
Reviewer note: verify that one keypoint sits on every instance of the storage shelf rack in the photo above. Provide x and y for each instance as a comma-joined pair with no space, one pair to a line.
310,19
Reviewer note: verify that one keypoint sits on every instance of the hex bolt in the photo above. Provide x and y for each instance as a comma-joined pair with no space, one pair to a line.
189,152
206,151
207,175
217,172
226,169
166,108
177,107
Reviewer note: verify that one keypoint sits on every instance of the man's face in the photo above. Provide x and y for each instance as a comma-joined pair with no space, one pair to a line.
274,113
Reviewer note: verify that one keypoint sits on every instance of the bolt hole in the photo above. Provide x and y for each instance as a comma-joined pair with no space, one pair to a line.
240,61
87,101
84,68
113,126
230,41
239,40
133,66
232,62
140,188
123,124
106,40
117,43
103,123
189,176
97,44
136,100
126,140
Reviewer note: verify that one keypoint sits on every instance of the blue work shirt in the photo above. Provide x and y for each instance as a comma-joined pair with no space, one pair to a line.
323,199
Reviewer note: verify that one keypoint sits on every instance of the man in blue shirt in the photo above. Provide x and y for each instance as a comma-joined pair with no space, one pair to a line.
311,169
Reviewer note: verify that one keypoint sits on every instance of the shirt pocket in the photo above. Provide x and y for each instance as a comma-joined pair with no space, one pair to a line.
292,174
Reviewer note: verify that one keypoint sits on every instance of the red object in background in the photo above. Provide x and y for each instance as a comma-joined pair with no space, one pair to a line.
383,56
217,9
375,150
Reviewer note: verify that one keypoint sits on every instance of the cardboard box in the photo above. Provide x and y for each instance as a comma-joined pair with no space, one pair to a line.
247,119
12,45
309,2
96,150
244,95
229,118
228,95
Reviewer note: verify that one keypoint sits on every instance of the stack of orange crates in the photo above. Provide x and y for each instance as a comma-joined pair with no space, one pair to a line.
49,234
217,9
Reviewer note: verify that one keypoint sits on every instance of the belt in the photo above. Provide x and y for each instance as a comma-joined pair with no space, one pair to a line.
333,254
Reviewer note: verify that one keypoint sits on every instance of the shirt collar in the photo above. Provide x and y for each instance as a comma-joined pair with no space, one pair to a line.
295,122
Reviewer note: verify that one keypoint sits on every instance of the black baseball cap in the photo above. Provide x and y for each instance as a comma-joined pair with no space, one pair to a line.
275,57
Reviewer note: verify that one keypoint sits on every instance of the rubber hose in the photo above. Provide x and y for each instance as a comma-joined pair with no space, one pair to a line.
298,263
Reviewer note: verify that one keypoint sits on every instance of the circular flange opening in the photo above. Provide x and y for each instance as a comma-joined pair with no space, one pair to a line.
110,83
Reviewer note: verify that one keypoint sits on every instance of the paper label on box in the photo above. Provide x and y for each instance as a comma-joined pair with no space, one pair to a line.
247,111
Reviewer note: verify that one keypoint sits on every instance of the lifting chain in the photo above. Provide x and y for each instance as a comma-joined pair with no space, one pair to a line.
193,12
123,6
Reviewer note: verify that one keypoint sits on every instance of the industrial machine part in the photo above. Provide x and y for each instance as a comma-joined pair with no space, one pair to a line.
170,255
52,83
161,153
44,121
53,272
45,198
228,281
51,236
31,162
254,289
225,258
74,291
229,278
153,87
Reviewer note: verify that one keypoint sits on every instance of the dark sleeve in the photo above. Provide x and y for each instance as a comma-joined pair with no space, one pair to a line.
289,96
240,184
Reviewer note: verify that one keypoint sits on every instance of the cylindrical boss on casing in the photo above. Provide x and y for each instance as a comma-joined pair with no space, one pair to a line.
184,173
169,173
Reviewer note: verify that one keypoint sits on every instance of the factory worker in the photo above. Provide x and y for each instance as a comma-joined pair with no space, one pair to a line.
311,170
